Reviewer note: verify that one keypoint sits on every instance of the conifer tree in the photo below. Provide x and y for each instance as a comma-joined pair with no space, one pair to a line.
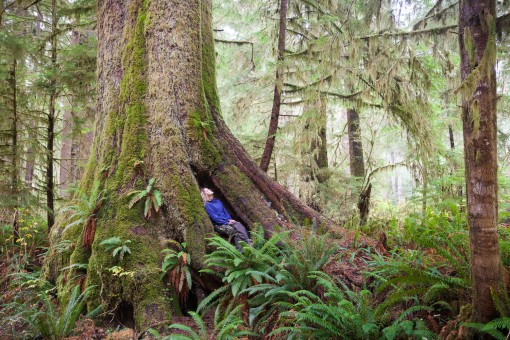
477,41
159,128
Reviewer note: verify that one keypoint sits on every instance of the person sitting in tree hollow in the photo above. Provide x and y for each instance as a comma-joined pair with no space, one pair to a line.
221,220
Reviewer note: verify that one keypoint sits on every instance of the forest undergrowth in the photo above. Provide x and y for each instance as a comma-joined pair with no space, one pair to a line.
414,282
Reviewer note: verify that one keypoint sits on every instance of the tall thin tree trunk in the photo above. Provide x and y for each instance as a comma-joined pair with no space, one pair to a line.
315,154
67,161
275,111
357,163
477,41
452,139
320,143
30,155
15,183
50,133
14,132
425,190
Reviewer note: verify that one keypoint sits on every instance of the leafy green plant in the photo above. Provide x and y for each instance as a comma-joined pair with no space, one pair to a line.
64,246
341,314
497,328
176,266
230,327
310,253
242,269
153,199
39,312
202,126
80,266
120,272
260,278
436,272
189,332
85,210
51,323
119,247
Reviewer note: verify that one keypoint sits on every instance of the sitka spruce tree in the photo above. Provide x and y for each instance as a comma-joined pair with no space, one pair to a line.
158,120
477,40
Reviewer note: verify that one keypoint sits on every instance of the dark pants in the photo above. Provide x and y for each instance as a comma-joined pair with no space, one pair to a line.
236,230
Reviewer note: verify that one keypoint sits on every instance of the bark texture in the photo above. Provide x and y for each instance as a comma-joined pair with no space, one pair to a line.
477,28
50,128
357,163
451,137
314,153
277,97
158,117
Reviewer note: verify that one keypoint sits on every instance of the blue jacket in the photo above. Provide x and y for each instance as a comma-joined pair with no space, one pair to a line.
217,212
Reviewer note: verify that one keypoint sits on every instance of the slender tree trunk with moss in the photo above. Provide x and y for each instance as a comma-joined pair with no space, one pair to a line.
320,144
15,180
50,130
13,87
277,98
315,152
357,163
158,117
14,131
477,40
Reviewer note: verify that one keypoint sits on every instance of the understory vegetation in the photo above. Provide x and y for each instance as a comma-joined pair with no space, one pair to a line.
298,284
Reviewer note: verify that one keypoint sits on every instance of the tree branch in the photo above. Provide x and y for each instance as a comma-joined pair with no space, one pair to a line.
439,30
32,4
239,42
502,25
431,13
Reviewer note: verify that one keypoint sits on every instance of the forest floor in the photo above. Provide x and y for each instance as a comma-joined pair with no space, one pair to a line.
413,257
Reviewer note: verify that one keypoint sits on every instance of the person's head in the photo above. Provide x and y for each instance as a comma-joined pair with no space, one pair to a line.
207,194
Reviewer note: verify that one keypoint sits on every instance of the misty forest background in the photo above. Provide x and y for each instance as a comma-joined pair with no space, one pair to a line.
363,101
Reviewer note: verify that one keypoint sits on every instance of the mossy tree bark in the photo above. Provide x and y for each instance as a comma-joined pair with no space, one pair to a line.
50,128
315,151
158,117
477,28
357,163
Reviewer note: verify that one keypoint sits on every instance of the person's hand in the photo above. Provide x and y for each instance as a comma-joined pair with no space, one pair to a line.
231,221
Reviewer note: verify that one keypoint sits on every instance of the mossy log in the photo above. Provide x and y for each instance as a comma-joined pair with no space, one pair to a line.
158,116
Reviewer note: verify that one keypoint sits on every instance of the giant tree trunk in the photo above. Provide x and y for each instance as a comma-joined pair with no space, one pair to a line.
158,117
277,97
478,55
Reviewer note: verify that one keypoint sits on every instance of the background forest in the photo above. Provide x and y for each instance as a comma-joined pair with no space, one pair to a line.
355,107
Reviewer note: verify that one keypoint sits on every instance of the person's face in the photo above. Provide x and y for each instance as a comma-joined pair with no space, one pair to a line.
209,195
